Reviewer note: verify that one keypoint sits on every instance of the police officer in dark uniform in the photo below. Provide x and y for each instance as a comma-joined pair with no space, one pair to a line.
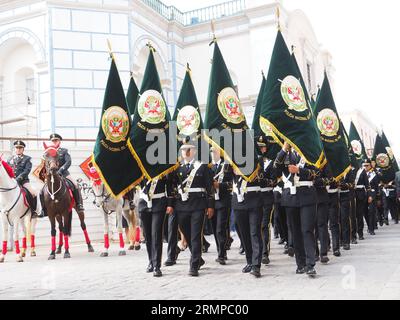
361,188
389,202
156,199
193,184
247,207
299,199
334,216
267,184
22,166
64,160
374,180
222,179
346,198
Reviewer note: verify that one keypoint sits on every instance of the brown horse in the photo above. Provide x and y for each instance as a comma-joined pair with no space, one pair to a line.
59,202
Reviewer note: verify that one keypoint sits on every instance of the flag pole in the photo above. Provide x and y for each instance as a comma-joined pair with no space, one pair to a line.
110,50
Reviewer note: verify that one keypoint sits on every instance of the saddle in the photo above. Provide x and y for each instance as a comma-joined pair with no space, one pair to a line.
29,199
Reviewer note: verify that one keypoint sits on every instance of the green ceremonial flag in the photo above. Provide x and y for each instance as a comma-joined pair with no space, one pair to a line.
332,136
390,151
225,115
262,129
132,96
286,109
383,160
353,159
357,145
116,166
151,122
187,113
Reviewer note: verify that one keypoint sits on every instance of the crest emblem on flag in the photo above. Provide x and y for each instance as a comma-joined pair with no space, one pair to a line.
188,120
115,124
328,123
383,160
151,107
293,94
357,147
266,129
229,106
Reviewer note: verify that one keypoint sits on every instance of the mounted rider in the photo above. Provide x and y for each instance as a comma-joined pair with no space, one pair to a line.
21,165
64,161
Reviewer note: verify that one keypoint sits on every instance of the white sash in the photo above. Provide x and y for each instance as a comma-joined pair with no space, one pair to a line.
240,192
359,172
220,177
372,176
149,196
189,180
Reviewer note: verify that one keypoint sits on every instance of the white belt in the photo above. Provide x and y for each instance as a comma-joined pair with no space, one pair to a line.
267,189
196,190
360,187
155,196
373,190
344,191
332,190
299,184
253,189
278,189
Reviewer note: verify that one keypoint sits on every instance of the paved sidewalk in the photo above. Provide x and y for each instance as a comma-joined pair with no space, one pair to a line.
371,270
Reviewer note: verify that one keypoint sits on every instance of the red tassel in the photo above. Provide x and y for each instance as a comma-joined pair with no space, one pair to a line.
106,241
137,238
17,251
60,241
32,241
66,242
24,245
86,236
121,241
53,243
4,247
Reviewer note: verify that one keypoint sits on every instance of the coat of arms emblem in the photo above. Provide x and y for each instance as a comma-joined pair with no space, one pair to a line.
115,124
188,120
293,94
151,107
328,123
357,148
229,106
382,160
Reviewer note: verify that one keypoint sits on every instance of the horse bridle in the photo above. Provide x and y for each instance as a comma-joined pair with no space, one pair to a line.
106,198
53,193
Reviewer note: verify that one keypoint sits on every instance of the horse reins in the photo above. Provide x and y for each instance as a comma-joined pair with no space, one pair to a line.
53,193
105,197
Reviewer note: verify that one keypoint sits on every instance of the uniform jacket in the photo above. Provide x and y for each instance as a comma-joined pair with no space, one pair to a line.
374,180
22,166
305,196
164,186
322,181
225,187
397,181
252,199
268,179
361,194
64,160
199,200
347,184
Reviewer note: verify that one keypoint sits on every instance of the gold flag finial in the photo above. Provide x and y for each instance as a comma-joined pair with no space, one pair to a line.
262,73
151,47
188,69
293,48
110,49
213,33
278,16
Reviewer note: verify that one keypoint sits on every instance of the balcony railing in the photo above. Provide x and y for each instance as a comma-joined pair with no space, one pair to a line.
171,13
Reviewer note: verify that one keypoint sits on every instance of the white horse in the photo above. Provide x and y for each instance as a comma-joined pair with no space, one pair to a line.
108,204
14,210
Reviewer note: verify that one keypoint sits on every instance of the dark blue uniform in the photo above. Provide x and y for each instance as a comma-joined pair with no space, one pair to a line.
22,166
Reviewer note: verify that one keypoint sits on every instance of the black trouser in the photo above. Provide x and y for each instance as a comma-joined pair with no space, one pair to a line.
266,228
191,225
153,227
322,228
345,210
249,223
353,218
172,236
380,209
390,205
280,214
334,224
372,216
303,224
360,212
219,225
290,229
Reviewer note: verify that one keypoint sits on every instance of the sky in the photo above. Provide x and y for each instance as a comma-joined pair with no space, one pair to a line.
363,38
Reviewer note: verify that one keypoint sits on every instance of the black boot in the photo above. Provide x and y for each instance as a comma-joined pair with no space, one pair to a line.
43,213
78,200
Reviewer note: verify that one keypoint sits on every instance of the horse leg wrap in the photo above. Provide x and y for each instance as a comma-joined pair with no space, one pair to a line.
66,242
121,241
16,243
60,242
86,236
32,241
106,241
53,243
4,248
24,245
137,238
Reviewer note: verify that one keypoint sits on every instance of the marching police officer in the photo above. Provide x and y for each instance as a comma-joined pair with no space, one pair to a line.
361,187
156,199
389,201
334,216
247,207
267,184
194,199
64,160
299,199
22,166
222,180
374,180
346,198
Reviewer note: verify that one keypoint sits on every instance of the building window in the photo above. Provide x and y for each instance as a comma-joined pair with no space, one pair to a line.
30,90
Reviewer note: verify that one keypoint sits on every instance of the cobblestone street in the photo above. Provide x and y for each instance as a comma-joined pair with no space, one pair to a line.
371,270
